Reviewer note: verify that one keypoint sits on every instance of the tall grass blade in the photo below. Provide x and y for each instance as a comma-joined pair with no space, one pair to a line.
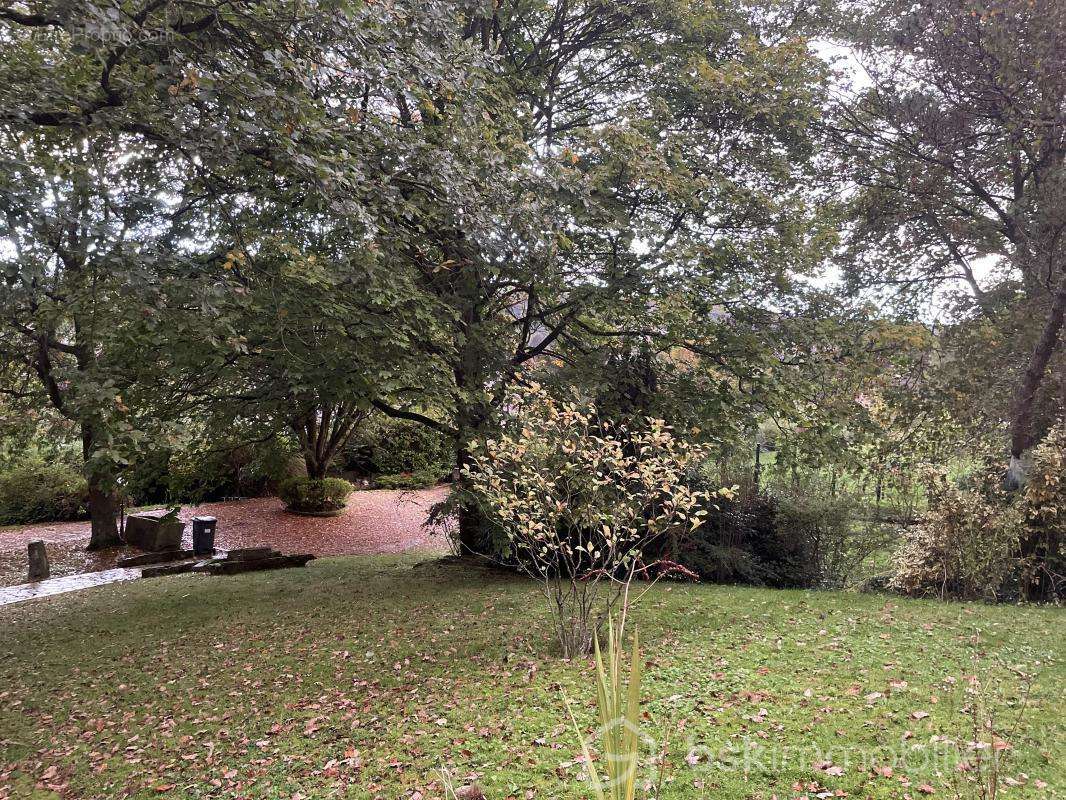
594,777
618,706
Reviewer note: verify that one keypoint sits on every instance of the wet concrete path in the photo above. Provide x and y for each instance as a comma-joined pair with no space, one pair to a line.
68,583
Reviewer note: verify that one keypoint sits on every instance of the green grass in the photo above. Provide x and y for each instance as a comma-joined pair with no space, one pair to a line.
363,677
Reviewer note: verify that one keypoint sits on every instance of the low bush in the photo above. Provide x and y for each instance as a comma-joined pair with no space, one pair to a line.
409,480
37,492
966,546
314,496
836,542
732,544
796,537
979,541
384,446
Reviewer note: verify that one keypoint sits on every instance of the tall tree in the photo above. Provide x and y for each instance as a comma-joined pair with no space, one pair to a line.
637,162
325,334
958,149
143,142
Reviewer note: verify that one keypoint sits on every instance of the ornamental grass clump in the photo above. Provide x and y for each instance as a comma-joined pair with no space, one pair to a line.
618,704
582,502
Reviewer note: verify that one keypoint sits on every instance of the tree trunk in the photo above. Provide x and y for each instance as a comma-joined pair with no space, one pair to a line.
103,501
1021,434
103,516
473,538
473,411
316,469
473,534
323,430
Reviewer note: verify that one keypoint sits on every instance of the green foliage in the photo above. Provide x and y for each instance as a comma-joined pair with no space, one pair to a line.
723,549
409,480
837,542
210,469
967,544
785,536
171,515
983,82
329,331
1043,568
619,716
581,500
201,215
163,149
388,447
147,480
38,492
314,495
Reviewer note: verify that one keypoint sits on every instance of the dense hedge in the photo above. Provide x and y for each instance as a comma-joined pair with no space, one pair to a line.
741,542
791,538
314,496
38,492
410,480
393,447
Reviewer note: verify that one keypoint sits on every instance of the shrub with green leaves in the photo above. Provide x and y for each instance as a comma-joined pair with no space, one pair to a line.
38,492
410,480
966,545
580,500
314,496
1043,560
737,542
384,446
834,542
783,536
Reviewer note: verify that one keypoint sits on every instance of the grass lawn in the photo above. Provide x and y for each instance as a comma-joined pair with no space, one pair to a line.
363,677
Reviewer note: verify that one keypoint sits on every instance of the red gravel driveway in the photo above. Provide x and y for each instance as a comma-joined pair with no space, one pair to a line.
375,521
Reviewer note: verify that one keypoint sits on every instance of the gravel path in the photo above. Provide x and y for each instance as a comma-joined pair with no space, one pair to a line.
375,521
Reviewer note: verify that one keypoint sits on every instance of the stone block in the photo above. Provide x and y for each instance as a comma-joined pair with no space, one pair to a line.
168,569
38,569
251,553
151,534
144,559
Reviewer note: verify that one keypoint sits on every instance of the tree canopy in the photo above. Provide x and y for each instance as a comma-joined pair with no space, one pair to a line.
282,217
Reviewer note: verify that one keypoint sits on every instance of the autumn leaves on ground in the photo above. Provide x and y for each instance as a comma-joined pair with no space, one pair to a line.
374,677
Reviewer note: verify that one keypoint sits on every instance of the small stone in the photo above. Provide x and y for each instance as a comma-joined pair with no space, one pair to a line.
39,569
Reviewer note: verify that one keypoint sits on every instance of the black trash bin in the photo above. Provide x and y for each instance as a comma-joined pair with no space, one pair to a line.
203,535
